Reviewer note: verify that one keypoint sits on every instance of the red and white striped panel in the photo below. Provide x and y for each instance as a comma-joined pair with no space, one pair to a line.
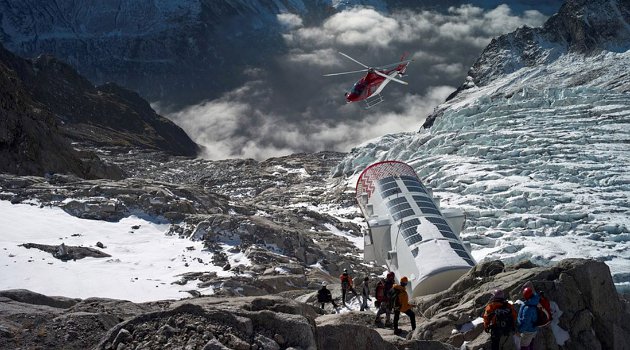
373,173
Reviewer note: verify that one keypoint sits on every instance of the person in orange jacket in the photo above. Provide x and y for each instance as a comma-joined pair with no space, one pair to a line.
346,285
499,318
401,304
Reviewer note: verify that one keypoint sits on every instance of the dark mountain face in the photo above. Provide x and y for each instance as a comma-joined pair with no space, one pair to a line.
587,26
31,142
106,115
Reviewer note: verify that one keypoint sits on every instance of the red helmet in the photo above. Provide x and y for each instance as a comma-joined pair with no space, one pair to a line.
404,280
527,293
390,275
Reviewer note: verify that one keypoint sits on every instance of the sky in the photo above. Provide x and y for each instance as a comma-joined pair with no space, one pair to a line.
289,107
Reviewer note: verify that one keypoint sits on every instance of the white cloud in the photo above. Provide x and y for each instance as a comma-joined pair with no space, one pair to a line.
320,57
452,69
289,107
218,126
290,20
368,28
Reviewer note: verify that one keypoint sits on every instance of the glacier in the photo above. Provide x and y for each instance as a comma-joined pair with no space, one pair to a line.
537,158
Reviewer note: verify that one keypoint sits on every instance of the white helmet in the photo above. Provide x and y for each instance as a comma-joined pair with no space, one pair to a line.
324,284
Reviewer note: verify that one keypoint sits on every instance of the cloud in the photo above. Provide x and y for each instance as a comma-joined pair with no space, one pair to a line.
231,129
318,57
287,106
370,28
290,20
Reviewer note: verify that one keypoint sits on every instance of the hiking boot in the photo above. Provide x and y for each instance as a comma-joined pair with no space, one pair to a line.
397,331
378,322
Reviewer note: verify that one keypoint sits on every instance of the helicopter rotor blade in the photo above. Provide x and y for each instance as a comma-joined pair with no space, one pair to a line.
354,71
391,78
343,54
393,64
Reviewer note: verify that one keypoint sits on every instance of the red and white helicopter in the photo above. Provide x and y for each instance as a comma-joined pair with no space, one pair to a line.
369,87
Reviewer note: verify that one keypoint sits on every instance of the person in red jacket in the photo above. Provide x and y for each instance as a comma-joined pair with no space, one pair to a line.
381,293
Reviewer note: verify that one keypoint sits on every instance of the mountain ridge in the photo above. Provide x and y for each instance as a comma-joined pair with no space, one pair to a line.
105,115
32,141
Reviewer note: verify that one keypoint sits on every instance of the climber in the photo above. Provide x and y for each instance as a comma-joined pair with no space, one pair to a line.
527,317
365,294
499,319
324,296
399,300
382,291
346,285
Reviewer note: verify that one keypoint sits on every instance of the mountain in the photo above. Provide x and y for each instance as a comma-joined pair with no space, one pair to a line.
176,52
579,29
32,141
534,144
107,115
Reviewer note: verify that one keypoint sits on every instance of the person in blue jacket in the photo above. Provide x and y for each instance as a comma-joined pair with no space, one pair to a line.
526,320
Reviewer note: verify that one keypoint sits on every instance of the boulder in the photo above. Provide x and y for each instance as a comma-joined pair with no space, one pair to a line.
591,310
348,332
65,253
29,297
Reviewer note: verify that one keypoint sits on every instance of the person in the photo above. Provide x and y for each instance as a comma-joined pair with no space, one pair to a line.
401,304
527,317
365,293
346,285
499,319
324,296
381,293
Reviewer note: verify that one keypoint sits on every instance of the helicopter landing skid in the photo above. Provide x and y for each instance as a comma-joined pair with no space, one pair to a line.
373,101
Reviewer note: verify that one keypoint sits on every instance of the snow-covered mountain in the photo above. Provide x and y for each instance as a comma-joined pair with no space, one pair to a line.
179,51
534,145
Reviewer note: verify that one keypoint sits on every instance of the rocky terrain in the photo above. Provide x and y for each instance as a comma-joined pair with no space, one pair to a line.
280,203
277,203
588,314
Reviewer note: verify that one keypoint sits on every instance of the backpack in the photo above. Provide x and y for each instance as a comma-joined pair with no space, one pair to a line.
393,300
379,292
543,312
344,282
503,320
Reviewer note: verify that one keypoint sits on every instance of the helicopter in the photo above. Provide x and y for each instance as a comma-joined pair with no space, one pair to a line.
369,87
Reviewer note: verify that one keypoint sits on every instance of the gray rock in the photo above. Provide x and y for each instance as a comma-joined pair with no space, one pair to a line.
215,344
65,253
29,297
122,337
335,332
266,343
582,289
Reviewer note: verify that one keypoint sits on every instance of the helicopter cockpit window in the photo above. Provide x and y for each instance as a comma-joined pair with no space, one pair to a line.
358,88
